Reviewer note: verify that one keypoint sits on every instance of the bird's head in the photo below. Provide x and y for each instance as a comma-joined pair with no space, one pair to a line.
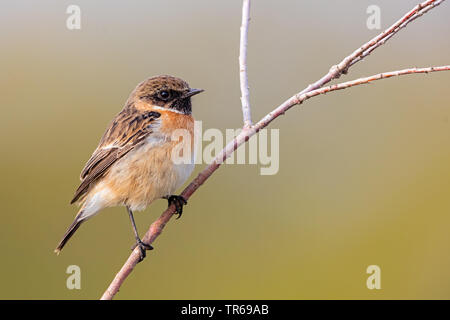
165,92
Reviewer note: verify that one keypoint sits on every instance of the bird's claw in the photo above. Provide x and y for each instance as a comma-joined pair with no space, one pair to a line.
143,247
179,202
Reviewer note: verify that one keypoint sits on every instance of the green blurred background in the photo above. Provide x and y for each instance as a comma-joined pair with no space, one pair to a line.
364,173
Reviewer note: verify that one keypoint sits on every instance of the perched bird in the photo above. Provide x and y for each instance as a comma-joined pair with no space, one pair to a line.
132,165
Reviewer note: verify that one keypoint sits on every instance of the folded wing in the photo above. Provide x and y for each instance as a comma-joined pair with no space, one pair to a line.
127,131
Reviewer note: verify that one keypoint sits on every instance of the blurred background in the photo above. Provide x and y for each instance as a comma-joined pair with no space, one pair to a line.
364,175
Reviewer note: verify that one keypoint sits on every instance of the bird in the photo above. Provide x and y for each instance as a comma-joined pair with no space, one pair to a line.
133,165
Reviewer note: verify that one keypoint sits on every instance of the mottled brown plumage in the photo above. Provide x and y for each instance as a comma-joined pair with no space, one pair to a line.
127,131
132,164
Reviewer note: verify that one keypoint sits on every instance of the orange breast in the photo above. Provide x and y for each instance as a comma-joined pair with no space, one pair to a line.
171,121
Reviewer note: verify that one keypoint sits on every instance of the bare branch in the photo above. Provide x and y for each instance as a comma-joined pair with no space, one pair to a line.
301,97
245,99
337,70
250,130
404,22
365,80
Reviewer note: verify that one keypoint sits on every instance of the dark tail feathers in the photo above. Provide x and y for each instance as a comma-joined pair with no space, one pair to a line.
69,233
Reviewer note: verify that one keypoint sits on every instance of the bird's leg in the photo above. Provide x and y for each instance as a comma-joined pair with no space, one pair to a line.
142,246
179,202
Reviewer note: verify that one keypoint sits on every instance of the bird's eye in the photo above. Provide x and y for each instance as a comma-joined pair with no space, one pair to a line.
164,95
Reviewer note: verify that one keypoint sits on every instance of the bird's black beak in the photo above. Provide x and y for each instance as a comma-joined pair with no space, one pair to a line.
192,92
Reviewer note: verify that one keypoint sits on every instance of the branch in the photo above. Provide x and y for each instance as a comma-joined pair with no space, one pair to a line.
250,130
342,68
301,97
245,99
402,23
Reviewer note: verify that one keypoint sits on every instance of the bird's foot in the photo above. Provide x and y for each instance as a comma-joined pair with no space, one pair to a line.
179,202
143,247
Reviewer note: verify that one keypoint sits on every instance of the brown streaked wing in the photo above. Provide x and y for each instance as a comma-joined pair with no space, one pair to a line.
126,131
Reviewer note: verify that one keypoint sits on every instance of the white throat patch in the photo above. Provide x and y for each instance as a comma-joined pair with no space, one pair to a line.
166,109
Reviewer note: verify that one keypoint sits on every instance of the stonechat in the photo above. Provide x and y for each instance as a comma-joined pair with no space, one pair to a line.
132,165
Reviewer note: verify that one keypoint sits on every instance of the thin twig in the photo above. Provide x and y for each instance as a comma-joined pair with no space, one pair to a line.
404,22
301,97
245,96
311,91
337,70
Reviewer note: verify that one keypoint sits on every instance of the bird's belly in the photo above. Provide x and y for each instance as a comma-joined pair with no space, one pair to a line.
146,174
183,172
